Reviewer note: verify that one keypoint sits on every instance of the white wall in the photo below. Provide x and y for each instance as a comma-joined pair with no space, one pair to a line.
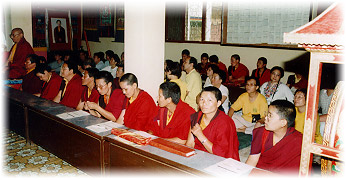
248,55
19,16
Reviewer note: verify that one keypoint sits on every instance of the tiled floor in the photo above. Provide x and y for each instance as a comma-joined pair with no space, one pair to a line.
21,159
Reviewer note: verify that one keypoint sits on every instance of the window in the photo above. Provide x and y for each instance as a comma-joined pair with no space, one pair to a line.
194,21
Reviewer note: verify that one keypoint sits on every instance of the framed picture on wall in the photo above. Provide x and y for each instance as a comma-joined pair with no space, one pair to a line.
59,30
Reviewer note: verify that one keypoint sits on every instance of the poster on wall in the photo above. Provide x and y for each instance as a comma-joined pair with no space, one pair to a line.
59,30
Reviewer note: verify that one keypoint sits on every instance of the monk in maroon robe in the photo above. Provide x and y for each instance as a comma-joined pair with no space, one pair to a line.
90,92
211,129
71,88
110,102
277,146
51,81
18,53
31,83
140,106
173,115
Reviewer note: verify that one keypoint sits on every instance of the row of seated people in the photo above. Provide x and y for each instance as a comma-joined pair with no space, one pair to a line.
208,129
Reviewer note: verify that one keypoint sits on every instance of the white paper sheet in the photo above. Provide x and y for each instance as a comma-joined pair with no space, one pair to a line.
73,114
229,167
102,127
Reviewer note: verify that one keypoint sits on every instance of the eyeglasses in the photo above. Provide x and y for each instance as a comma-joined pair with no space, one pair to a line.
101,86
13,35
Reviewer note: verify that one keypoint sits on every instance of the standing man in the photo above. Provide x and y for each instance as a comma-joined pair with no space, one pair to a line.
59,33
18,53
193,81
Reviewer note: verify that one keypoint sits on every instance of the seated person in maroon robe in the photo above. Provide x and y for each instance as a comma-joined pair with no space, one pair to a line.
71,88
277,146
172,120
202,67
211,129
90,92
111,101
261,73
140,106
51,81
237,71
31,83
215,60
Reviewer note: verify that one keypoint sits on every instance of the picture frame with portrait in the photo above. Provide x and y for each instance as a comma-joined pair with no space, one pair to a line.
59,30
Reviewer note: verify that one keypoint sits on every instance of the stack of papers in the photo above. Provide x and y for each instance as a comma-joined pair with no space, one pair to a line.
73,114
229,167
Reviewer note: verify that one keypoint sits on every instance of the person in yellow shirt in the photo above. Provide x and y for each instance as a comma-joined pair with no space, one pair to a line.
173,71
254,107
193,81
300,103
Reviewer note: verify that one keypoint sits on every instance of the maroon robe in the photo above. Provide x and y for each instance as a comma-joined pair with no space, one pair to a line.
242,70
140,112
115,103
221,132
31,83
17,67
73,92
265,77
94,96
51,88
179,125
284,157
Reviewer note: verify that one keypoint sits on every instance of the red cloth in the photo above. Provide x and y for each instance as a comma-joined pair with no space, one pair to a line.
94,96
51,88
31,83
221,132
264,78
73,92
115,103
179,126
140,112
17,68
284,157
241,71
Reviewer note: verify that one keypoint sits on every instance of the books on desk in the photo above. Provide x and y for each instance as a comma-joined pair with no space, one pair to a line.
172,147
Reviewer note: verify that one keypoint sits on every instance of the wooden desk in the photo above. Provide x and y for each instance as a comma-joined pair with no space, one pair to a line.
67,139
120,157
95,153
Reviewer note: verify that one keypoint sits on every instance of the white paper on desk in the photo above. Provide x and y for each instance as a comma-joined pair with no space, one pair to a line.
73,114
79,113
102,127
64,116
229,167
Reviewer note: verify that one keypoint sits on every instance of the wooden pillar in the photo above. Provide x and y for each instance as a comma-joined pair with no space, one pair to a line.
144,43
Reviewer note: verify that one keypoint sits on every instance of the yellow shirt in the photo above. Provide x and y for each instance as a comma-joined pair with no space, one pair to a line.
299,126
259,106
194,87
183,88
